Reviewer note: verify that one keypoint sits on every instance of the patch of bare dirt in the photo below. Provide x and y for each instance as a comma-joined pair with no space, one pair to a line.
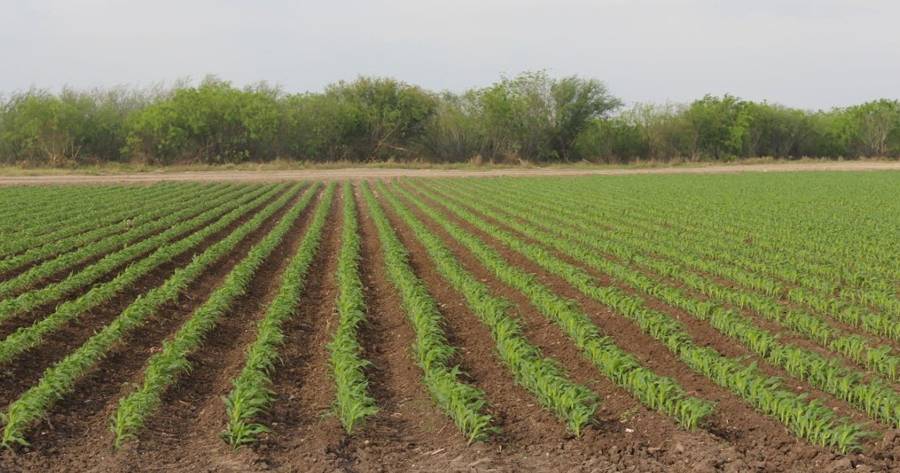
374,173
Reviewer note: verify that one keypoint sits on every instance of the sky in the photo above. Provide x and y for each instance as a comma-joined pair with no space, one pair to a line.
808,54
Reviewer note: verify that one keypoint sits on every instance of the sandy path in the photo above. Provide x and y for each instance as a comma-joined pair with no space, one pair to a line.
369,173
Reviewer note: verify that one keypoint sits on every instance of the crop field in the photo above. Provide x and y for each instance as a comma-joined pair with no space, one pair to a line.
647,323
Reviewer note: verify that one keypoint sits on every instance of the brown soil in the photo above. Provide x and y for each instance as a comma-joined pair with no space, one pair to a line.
60,275
303,429
409,433
752,434
27,368
75,436
197,397
38,313
374,173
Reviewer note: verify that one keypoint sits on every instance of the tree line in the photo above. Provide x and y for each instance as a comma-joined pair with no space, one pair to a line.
532,116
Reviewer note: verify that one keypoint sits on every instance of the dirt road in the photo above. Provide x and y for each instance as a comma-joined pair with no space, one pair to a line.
372,173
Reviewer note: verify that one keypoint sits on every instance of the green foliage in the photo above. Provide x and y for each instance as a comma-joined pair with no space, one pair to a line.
66,253
462,402
353,402
252,393
164,367
809,420
213,122
389,115
657,392
573,403
60,379
31,336
37,127
531,116
719,126
318,128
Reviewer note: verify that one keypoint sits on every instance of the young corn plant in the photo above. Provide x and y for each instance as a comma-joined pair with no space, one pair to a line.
60,379
56,232
874,398
252,391
142,227
809,420
167,365
573,403
97,235
26,338
353,403
464,403
122,252
656,392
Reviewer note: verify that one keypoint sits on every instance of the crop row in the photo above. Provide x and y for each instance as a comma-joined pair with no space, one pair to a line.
37,202
252,389
651,240
874,397
656,392
632,246
807,419
63,215
463,402
88,228
31,336
60,379
814,280
827,294
143,226
573,403
165,366
832,251
353,403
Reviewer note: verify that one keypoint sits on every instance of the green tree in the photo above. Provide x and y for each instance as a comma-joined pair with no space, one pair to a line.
213,122
719,126
391,115
576,103
874,127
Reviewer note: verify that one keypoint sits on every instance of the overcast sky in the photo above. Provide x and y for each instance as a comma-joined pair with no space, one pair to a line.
811,54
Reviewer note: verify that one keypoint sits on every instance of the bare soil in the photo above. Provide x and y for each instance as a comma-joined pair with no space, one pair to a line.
374,173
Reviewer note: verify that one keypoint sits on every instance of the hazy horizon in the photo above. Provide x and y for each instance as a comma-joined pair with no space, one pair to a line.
803,54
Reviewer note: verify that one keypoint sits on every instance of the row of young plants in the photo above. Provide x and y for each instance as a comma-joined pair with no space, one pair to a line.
874,397
826,279
175,224
832,292
35,210
839,249
462,402
573,403
766,260
633,246
27,337
98,231
655,240
90,219
40,200
656,392
861,317
168,364
252,392
353,402
60,379
810,420
162,217
61,214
